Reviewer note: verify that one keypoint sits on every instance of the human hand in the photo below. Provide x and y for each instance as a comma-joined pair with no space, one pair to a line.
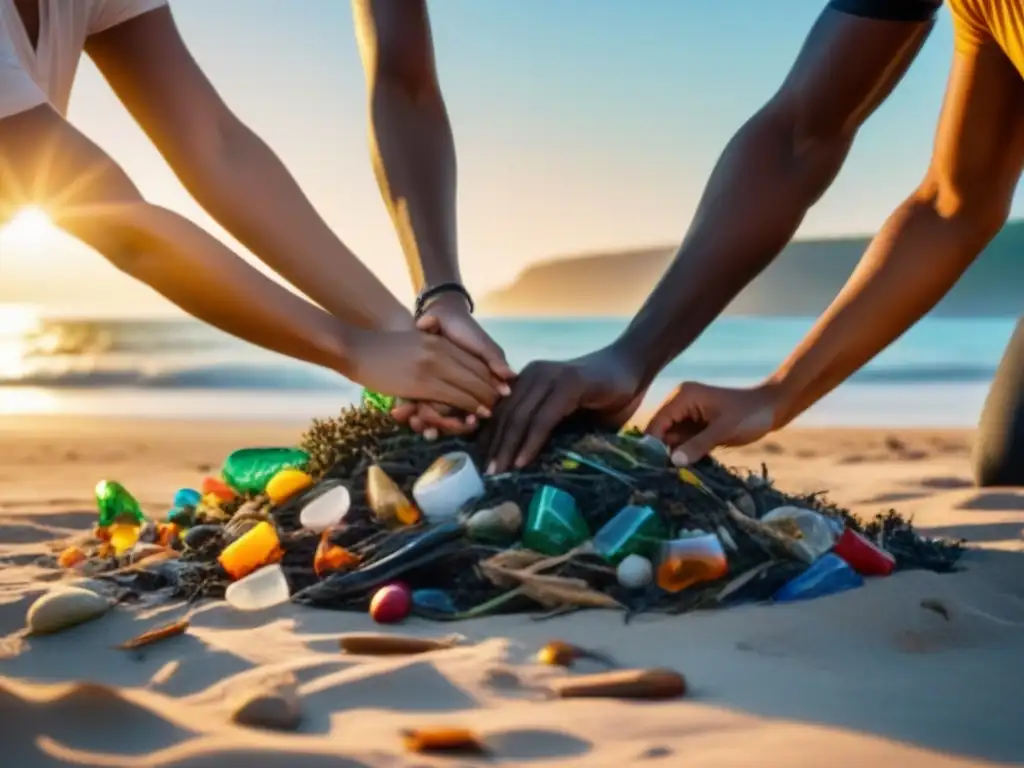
422,366
698,418
449,316
603,382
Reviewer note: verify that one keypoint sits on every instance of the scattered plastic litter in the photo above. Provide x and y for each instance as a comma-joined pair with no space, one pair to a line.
365,515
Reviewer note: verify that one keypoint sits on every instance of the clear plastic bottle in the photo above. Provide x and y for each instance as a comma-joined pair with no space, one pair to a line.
809,528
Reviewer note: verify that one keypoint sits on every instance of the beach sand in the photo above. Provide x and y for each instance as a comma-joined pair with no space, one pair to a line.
850,680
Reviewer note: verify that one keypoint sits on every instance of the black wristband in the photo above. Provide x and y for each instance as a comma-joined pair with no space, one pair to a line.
424,299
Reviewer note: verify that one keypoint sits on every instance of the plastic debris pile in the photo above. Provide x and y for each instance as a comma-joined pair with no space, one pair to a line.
366,515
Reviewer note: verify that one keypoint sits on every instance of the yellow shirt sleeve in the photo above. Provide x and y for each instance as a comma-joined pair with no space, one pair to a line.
969,31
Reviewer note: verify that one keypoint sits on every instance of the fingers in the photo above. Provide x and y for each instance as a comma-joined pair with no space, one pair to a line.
429,323
435,421
679,407
716,433
551,411
512,423
469,336
404,411
465,380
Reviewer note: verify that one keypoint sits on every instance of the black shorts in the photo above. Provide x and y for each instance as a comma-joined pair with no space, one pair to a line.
889,10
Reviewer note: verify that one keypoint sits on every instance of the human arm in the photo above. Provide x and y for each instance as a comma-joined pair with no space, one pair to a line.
413,153
771,172
232,173
919,254
930,240
46,161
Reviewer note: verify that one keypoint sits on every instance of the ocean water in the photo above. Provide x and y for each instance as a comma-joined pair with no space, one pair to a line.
935,375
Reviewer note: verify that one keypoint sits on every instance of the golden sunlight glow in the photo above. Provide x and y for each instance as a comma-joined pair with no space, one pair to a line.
28,229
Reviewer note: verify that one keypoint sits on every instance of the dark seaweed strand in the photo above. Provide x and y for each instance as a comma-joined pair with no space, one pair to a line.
344,448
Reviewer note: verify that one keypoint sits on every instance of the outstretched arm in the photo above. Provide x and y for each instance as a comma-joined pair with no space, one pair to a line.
778,164
911,264
930,240
413,155
232,173
773,170
44,160
411,140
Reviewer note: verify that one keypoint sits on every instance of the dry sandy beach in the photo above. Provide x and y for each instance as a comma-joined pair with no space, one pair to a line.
851,680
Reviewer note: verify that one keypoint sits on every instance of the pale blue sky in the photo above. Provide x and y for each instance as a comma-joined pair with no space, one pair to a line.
580,125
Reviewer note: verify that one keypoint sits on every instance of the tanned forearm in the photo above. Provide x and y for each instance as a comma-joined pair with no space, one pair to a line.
770,174
200,275
414,159
411,142
248,190
911,264
756,198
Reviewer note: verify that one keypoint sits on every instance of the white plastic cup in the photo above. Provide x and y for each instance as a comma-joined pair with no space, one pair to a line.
261,589
449,484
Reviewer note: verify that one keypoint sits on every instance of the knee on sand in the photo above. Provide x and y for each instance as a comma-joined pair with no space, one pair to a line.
999,451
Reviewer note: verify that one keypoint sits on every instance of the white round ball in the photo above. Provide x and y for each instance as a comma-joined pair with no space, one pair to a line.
635,571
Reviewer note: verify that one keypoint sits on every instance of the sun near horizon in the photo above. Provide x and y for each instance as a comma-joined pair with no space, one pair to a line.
29,228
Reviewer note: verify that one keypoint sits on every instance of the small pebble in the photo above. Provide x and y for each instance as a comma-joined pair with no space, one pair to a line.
276,710
635,571
64,607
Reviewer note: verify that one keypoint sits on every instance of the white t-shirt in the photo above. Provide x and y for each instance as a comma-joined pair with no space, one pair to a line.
31,77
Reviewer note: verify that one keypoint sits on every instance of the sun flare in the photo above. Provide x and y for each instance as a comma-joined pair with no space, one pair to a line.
29,228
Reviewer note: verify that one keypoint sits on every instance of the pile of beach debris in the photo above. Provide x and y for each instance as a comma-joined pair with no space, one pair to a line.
366,515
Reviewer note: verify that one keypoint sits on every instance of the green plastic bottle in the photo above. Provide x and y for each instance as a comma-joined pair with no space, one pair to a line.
383,403
554,524
248,470
116,505
634,530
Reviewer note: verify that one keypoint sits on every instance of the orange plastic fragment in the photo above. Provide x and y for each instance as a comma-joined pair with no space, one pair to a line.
330,557
218,488
70,557
442,739
166,533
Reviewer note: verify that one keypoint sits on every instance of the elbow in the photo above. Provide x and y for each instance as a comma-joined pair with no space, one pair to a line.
811,146
121,233
402,70
976,208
